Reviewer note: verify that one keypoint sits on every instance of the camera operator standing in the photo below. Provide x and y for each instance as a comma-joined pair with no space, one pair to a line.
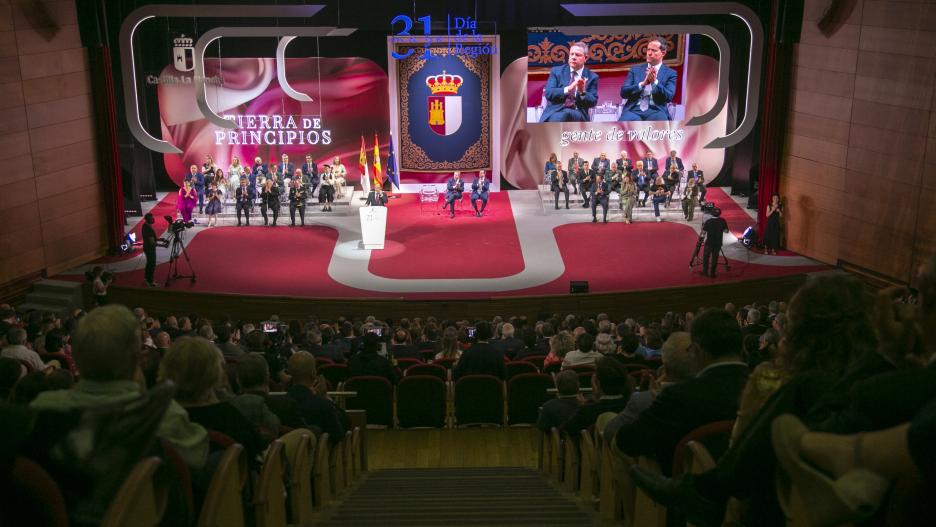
713,229
149,248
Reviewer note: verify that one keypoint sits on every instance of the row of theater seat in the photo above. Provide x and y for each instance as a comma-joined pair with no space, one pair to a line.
426,396
299,476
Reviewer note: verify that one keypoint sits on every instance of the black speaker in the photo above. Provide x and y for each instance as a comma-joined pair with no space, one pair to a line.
578,286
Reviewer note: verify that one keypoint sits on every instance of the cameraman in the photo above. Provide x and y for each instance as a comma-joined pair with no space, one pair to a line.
149,248
713,229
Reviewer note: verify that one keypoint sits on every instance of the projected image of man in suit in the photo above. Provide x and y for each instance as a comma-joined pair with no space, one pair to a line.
649,87
572,89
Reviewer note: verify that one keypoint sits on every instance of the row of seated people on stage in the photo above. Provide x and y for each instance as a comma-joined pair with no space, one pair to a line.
455,192
796,382
209,189
596,181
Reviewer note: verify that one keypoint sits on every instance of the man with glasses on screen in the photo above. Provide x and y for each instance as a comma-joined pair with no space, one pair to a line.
571,89
649,87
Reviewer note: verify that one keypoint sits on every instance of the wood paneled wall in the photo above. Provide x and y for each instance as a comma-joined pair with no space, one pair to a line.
51,207
859,169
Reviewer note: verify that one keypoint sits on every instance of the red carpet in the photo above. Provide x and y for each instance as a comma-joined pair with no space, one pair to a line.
435,246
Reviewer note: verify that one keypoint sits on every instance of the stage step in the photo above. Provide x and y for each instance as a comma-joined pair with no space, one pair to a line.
57,296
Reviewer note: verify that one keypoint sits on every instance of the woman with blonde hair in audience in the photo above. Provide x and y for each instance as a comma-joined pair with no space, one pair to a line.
197,369
559,345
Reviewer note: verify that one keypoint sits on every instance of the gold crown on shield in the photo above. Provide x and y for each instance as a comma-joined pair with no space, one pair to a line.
444,83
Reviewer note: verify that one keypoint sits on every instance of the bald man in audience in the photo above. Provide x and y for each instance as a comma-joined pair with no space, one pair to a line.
310,393
106,347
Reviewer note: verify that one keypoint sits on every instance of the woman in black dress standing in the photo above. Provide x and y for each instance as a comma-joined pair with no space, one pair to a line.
772,232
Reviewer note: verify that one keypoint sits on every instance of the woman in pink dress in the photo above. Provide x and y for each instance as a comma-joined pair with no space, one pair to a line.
186,201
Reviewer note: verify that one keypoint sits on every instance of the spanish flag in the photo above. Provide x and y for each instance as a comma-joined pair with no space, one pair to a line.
378,175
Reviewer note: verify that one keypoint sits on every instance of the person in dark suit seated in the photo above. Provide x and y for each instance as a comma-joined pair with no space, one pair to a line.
602,165
508,344
481,358
699,178
376,198
642,180
599,196
572,89
651,165
555,412
479,191
611,390
712,395
558,183
284,167
369,362
624,163
673,159
649,87
310,391
575,166
254,400
586,177
454,189
310,170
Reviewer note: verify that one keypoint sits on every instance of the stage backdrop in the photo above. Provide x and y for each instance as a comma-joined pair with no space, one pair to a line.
349,98
442,110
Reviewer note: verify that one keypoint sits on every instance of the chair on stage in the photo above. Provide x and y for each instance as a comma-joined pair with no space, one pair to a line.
428,194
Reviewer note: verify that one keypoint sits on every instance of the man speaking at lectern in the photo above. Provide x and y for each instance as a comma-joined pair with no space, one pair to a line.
571,89
649,87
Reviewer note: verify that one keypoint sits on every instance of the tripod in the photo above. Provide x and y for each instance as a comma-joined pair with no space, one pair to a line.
697,260
177,248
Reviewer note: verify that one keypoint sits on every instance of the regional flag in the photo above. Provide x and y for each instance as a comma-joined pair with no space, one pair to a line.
378,176
362,162
391,166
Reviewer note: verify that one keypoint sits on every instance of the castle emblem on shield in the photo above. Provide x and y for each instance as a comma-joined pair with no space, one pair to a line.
445,107
183,54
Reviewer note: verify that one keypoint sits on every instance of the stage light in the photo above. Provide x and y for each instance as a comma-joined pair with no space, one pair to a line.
749,237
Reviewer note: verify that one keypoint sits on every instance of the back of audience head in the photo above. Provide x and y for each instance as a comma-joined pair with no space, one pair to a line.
302,369
604,344
677,361
195,366
629,344
567,383
483,330
584,342
716,334
829,324
253,372
610,377
106,344
561,343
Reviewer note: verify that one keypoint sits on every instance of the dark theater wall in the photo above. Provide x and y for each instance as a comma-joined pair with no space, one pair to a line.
859,170
51,209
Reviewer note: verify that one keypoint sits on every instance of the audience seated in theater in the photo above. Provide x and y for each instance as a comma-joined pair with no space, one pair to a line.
611,389
678,366
583,354
55,347
557,411
310,391
197,369
369,361
753,325
10,373
605,344
18,348
481,358
712,395
253,375
650,347
509,345
560,345
829,346
627,349
401,346
448,345
105,347
229,349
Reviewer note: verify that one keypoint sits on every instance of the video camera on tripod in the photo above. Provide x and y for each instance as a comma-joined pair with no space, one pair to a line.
176,246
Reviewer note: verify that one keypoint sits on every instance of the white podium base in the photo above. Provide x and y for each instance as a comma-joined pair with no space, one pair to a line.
373,227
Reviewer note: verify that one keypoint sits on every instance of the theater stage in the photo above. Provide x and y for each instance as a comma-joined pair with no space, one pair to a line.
516,249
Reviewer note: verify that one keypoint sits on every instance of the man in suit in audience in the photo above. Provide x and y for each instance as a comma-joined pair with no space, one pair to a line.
481,358
508,344
649,87
610,391
575,166
623,163
651,165
555,412
586,178
572,89
673,159
712,395
454,188
643,180
243,198
599,196
479,192
602,165
286,168
309,391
